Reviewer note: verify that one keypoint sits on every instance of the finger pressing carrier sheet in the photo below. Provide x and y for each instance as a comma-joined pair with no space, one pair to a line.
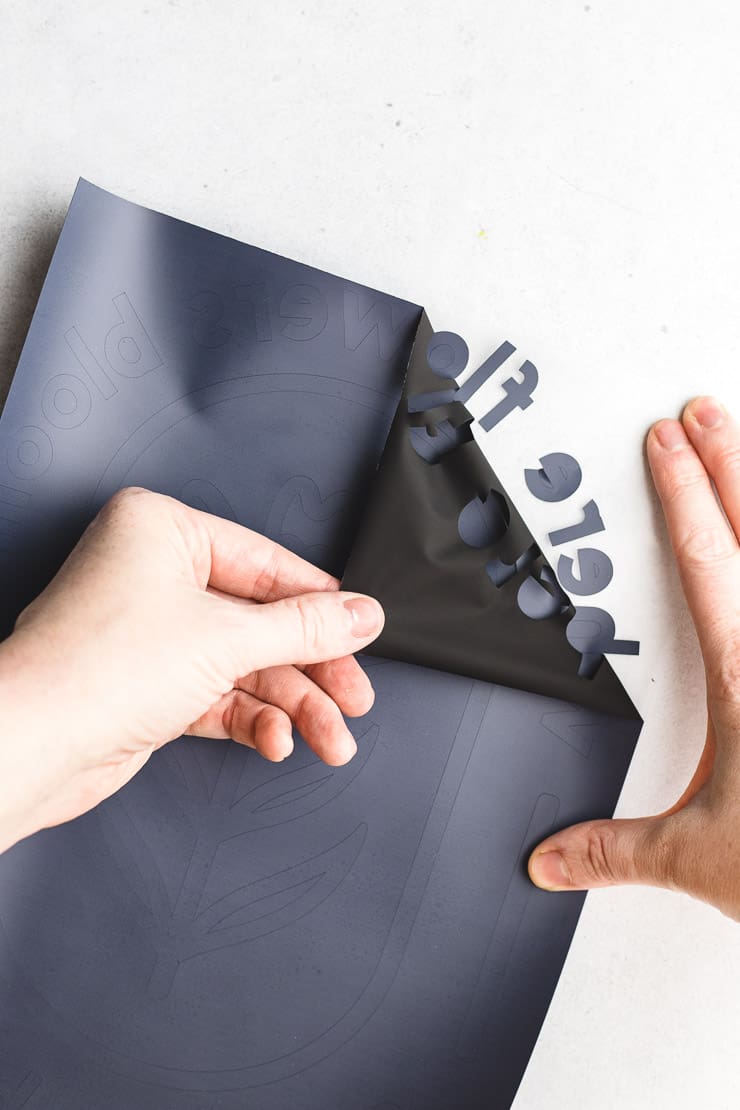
229,933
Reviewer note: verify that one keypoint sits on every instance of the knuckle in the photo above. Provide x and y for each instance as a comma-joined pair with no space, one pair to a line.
127,500
244,719
302,713
267,577
316,713
681,478
268,717
261,684
724,670
677,849
727,459
705,545
232,719
660,853
599,859
313,624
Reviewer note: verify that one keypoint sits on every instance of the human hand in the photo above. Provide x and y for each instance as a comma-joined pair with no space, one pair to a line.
695,845
166,620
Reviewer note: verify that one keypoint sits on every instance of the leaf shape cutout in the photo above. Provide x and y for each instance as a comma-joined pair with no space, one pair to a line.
295,793
203,495
184,774
17,1097
279,899
135,861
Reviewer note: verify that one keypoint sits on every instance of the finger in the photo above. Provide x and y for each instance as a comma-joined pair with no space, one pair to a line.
706,549
266,728
312,711
316,715
609,853
310,628
716,438
346,683
343,679
246,564
241,717
210,725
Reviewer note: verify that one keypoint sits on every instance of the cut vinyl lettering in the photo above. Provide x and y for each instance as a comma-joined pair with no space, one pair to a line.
484,520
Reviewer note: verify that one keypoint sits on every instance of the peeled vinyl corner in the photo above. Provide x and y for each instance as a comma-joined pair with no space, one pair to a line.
464,585
226,932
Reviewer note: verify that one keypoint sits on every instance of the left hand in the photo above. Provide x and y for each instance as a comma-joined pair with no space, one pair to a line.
166,620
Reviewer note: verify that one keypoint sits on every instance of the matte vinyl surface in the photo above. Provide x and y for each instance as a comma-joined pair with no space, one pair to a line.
225,932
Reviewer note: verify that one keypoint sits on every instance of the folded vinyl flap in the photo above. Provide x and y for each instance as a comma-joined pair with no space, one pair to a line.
443,548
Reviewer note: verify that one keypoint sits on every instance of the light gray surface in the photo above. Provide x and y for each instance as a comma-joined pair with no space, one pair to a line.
33,250
577,164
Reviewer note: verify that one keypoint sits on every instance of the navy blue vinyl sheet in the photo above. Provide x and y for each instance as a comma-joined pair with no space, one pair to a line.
225,932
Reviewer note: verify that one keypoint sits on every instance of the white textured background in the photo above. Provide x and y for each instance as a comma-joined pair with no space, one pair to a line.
559,173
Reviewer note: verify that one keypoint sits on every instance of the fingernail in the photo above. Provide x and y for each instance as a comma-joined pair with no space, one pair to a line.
286,748
367,616
670,435
707,411
548,870
361,689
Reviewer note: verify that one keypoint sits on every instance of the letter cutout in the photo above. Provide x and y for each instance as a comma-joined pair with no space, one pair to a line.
590,524
596,570
541,597
128,348
559,477
518,395
434,442
483,521
591,632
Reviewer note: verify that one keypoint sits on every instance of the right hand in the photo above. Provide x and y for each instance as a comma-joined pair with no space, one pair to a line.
695,845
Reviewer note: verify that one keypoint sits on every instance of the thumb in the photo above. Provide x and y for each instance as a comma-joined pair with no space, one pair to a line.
308,628
606,853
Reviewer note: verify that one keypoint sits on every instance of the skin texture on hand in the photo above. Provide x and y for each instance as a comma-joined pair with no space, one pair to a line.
165,620
695,845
